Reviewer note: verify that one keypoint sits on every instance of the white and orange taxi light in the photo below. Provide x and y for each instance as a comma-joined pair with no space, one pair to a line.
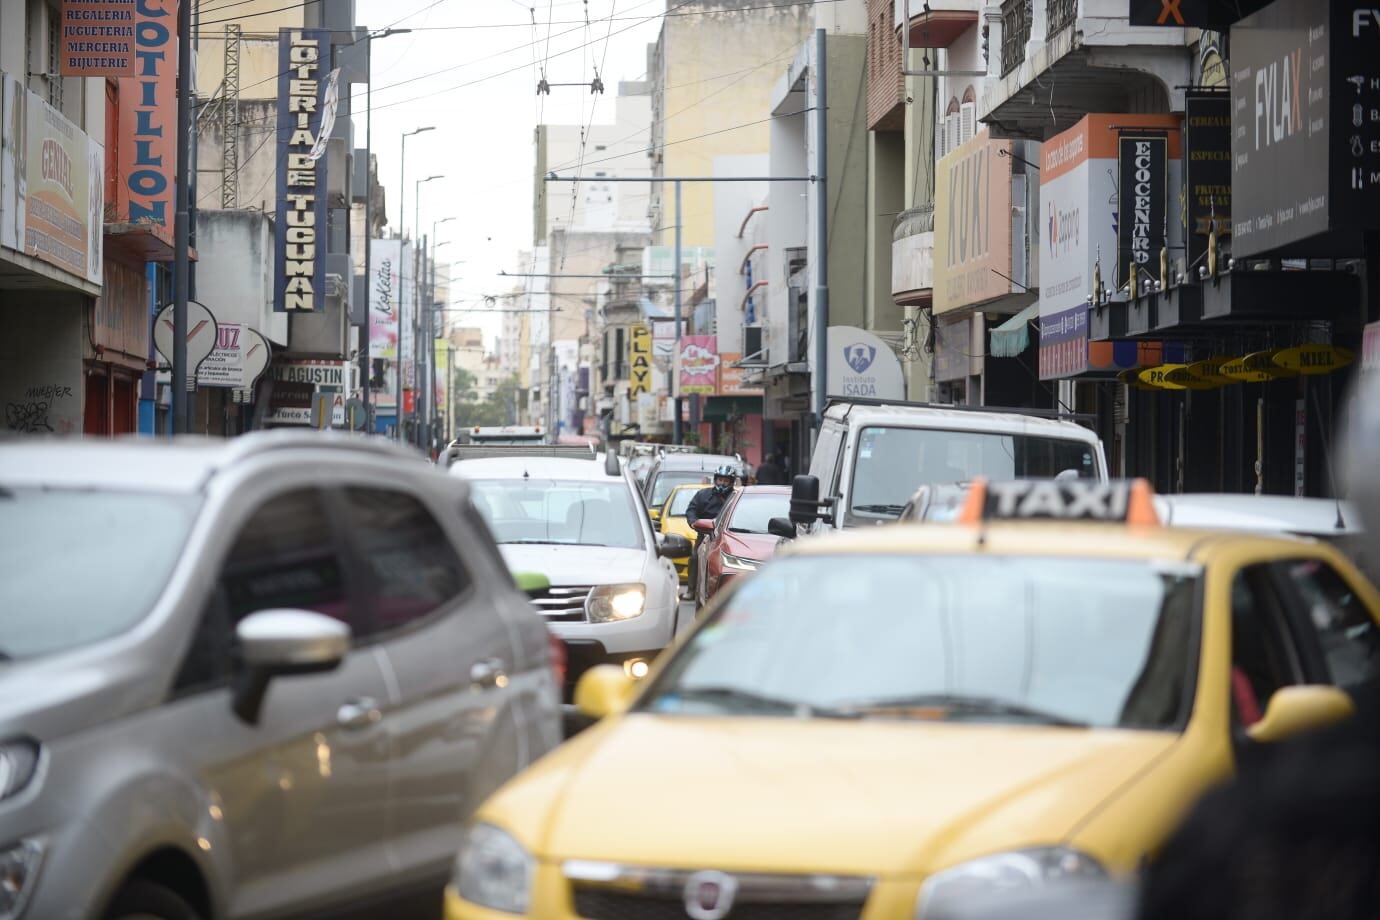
1129,502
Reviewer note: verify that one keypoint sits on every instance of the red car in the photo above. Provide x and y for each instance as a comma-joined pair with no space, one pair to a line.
738,542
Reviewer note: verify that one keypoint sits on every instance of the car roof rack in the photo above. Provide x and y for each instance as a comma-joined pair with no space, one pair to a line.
457,452
1008,410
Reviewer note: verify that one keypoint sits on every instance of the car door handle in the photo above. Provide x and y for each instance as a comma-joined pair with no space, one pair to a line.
488,672
358,713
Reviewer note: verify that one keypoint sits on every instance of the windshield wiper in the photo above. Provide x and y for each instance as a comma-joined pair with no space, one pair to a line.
975,705
743,530
880,509
540,542
739,698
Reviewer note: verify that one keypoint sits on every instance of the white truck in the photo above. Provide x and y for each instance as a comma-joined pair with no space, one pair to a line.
872,455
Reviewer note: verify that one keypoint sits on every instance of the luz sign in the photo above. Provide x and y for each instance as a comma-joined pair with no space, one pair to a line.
299,253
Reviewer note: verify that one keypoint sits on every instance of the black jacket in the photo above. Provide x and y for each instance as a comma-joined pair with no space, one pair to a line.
706,504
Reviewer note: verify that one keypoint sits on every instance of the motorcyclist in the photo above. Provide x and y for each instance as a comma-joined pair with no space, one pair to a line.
707,504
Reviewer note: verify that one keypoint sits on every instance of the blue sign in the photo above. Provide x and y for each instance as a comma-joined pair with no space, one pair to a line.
299,251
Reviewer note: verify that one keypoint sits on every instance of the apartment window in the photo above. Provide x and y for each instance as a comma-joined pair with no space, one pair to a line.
54,57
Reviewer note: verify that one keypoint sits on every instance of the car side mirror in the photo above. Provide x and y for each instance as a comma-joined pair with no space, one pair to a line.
279,643
781,527
1295,710
603,690
673,546
704,525
531,581
805,503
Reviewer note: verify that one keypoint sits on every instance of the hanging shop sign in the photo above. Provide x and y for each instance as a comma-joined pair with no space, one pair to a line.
300,385
147,129
300,224
1370,347
699,364
120,315
385,290
1204,14
1310,360
224,366
1207,172
52,194
860,364
255,356
1079,213
1142,166
98,38
1209,372
639,359
1305,108
1161,377
731,378
972,224
1238,370
201,337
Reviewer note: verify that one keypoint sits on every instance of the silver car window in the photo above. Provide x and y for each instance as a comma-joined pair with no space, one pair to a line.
124,544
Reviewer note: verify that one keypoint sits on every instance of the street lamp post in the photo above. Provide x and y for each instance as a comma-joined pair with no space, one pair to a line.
419,260
402,207
430,415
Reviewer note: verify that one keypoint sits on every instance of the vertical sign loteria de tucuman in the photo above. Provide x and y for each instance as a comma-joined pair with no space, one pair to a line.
299,259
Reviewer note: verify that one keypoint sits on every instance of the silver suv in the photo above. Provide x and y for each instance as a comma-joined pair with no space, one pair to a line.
253,677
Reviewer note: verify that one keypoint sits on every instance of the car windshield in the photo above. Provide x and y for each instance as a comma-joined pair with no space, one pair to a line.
124,545
755,509
667,480
892,463
680,500
1023,639
555,511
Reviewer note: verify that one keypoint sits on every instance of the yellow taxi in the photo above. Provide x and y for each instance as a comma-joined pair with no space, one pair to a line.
671,520
883,722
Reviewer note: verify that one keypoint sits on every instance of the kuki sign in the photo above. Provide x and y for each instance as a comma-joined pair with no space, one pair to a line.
299,259
1140,194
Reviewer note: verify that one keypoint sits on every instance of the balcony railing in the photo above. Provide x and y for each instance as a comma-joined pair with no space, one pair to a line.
912,221
1059,14
1015,32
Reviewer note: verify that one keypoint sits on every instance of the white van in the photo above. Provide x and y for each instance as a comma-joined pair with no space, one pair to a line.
871,456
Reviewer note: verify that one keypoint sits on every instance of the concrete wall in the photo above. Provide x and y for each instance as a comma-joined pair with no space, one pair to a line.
718,71
235,276
886,195
732,202
847,192
787,222
258,121
42,337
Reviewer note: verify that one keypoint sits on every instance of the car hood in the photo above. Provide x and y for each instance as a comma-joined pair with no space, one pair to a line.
51,697
751,545
575,565
858,797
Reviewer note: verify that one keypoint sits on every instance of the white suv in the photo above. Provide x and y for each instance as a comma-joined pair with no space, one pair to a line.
579,520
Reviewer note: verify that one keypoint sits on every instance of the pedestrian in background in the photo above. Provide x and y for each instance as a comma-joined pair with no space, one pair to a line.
772,471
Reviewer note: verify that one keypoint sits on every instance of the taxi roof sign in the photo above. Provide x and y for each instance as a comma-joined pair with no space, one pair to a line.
1127,501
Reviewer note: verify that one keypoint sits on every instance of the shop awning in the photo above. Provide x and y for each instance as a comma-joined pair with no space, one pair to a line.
1013,336
722,408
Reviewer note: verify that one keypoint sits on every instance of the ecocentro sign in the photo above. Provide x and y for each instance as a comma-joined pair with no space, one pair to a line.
860,364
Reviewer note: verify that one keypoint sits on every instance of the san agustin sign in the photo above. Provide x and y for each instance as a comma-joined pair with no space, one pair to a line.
299,262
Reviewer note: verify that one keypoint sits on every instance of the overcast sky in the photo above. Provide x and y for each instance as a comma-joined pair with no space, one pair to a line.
477,87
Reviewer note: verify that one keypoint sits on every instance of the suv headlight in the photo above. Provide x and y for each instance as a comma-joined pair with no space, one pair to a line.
1011,872
738,563
18,761
610,603
493,870
18,868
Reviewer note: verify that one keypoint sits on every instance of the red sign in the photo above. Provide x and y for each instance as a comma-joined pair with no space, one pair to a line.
409,402
147,140
98,38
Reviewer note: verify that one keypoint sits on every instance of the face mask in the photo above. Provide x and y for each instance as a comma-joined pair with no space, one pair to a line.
721,488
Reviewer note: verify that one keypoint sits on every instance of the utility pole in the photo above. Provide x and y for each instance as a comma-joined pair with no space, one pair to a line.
182,228
402,206
821,236
678,434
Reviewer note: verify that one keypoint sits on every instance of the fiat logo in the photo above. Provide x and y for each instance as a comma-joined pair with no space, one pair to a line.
709,895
